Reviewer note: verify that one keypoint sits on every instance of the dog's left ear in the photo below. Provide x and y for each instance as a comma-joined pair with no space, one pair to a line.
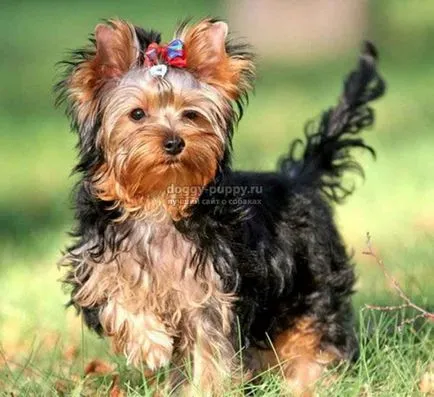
114,51
212,59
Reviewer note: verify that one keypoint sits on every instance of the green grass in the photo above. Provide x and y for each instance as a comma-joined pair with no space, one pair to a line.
392,361
394,204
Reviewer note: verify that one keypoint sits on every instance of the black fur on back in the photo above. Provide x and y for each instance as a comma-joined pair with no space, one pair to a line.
279,249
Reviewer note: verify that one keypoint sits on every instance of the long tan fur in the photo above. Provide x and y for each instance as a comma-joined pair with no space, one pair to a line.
156,311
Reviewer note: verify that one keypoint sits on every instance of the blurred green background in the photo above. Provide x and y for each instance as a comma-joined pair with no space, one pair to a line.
394,204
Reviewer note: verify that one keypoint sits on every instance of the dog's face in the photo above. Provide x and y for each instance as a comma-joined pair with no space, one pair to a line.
157,131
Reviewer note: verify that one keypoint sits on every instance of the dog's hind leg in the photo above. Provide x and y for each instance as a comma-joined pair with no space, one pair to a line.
297,354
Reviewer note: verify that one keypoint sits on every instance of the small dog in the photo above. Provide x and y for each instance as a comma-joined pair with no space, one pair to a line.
178,257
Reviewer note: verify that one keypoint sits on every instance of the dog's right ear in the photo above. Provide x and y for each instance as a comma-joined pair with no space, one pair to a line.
115,51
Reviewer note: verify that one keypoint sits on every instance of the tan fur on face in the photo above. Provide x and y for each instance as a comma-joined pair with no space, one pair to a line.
137,173
157,311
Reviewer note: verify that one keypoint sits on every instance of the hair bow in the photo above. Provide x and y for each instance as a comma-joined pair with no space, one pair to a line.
172,54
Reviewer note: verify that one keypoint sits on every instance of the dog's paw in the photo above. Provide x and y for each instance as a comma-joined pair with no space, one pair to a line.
150,344
142,337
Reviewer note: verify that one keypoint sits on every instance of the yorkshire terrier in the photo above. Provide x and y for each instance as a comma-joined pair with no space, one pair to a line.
178,258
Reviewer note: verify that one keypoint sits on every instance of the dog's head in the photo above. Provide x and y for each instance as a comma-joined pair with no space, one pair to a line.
152,116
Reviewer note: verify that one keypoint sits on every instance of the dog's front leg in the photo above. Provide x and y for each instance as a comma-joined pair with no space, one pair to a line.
120,289
141,336
213,363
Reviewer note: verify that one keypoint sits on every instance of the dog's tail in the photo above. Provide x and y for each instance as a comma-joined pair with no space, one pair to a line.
326,152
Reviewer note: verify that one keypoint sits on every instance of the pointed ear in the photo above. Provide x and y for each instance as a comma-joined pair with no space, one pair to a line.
213,60
115,51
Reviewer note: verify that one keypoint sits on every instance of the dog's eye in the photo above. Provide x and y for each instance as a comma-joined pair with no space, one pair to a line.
190,115
137,114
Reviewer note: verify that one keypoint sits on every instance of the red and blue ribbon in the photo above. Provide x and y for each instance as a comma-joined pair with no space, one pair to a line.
172,54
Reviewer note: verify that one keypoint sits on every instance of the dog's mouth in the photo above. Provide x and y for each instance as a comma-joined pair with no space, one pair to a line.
173,160
171,166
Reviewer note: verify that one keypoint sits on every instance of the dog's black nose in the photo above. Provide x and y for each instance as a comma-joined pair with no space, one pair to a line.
173,145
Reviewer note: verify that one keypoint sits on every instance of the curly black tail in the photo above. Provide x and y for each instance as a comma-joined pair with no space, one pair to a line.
326,152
